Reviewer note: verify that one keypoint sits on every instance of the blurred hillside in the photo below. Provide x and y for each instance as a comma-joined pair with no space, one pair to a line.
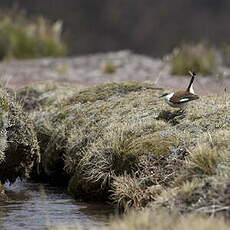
150,27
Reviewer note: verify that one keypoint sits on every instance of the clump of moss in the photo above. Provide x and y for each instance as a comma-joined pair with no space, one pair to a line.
199,58
22,38
21,149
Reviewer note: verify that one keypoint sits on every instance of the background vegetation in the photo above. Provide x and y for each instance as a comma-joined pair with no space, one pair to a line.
146,27
21,37
200,58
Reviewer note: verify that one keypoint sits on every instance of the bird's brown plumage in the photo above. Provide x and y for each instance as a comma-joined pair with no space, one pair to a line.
178,97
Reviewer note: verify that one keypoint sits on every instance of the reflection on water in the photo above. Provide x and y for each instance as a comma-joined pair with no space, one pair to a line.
34,206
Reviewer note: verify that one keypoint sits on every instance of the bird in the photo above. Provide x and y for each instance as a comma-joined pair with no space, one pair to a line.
179,99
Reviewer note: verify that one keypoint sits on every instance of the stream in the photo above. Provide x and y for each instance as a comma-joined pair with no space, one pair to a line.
35,206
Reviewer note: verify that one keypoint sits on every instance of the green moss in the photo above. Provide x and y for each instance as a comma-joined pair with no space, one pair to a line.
199,58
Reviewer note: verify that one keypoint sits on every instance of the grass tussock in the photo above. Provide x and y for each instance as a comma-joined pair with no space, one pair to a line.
210,154
23,38
130,192
199,58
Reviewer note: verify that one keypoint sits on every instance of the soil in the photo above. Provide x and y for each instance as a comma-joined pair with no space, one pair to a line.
92,69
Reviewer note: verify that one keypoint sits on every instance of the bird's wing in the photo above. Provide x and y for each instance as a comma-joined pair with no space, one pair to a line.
181,97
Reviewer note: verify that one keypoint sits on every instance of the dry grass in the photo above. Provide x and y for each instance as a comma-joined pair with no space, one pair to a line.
149,219
210,196
210,154
130,192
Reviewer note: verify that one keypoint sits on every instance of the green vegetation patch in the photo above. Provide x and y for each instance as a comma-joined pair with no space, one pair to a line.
199,58
21,37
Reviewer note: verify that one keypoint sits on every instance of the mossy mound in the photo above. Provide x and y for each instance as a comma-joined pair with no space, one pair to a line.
119,141
19,147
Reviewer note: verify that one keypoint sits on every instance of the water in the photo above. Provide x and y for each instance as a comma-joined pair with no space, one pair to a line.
35,206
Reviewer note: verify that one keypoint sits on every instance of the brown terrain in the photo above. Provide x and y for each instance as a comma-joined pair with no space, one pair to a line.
109,67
